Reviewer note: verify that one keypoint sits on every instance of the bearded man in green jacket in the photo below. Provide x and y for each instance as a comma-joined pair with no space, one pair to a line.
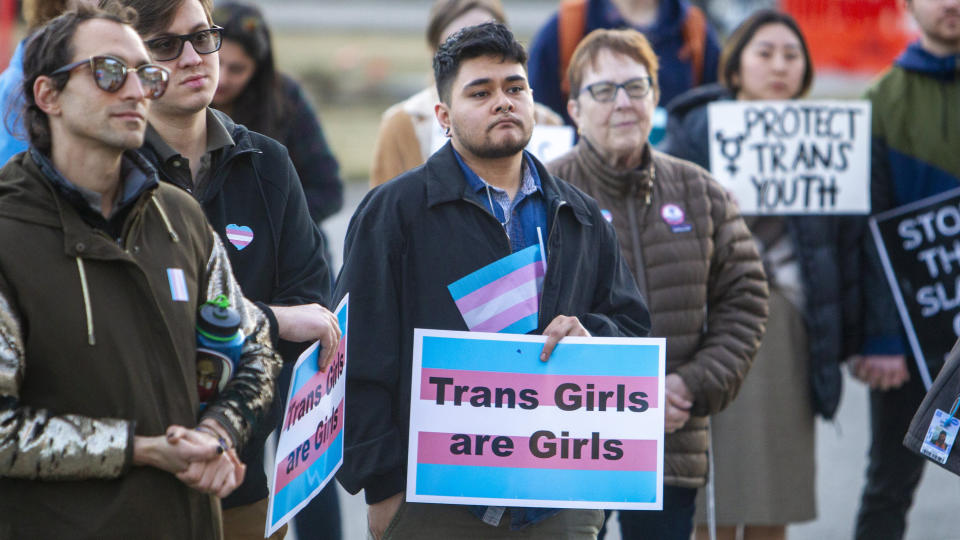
102,272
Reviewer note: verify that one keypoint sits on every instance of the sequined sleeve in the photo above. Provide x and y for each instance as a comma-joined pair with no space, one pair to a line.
37,445
249,394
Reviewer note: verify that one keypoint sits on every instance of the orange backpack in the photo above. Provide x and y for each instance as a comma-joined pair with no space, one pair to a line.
572,24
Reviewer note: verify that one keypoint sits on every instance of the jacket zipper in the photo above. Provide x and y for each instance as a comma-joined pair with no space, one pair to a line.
506,235
553,228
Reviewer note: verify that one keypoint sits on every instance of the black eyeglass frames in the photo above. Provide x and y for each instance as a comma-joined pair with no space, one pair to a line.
204,41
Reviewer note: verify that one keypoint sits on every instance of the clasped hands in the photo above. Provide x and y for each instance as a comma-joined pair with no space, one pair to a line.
196,457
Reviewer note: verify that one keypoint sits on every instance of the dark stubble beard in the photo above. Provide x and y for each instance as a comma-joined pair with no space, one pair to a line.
503,149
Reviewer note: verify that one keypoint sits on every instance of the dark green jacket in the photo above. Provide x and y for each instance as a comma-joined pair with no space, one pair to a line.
916,137
95,347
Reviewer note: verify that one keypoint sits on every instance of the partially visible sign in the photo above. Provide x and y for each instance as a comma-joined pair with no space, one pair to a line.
919,246
490,424
546,144
792,157
310,448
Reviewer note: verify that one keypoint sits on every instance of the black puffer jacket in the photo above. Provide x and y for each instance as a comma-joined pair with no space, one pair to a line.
827,248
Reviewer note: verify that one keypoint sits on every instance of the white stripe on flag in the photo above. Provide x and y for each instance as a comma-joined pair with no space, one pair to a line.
500,303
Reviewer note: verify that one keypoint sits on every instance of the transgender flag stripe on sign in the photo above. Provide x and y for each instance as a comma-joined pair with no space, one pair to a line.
504,295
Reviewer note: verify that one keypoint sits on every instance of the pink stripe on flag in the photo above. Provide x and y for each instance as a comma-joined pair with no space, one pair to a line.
239,234
636,455
545,386
296,401
494,289
505,318
313,454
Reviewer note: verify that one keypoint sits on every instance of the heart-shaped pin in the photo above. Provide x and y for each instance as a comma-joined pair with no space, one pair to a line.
239,235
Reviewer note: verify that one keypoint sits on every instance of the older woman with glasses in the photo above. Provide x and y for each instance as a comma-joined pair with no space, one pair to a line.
690,252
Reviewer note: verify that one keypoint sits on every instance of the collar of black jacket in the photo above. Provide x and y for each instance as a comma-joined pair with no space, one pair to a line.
446,183
218,136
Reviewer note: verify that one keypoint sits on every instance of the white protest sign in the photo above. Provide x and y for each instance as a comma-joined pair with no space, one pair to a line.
792,157
310,447
490,424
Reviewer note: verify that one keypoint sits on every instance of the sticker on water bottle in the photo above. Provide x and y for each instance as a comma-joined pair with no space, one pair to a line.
940,437
213,371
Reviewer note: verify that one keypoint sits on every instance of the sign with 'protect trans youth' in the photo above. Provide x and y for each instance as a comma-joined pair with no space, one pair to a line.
792,157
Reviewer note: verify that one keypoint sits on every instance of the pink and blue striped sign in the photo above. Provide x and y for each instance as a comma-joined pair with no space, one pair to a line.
491,424
310,446
503,296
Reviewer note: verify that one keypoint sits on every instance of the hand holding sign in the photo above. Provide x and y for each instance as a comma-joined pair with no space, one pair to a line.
309,322
559,328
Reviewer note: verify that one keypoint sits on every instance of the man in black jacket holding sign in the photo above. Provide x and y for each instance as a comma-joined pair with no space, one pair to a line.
477,200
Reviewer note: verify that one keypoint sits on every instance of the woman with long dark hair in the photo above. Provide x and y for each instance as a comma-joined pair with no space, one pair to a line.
763,444
255,94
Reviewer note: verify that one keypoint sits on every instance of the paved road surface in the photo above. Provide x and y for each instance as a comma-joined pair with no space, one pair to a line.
841,455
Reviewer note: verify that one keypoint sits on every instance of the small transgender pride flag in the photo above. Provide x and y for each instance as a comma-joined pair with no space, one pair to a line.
178,285
503,296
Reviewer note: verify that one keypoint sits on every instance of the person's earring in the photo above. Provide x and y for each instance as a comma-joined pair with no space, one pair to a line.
446,132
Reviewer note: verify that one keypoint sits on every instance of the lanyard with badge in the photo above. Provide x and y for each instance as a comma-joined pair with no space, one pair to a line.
941,434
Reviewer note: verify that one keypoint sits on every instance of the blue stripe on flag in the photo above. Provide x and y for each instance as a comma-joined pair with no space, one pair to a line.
523,357
534,484
493,272
302,486
524,325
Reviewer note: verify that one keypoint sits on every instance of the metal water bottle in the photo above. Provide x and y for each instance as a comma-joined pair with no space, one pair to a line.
219,345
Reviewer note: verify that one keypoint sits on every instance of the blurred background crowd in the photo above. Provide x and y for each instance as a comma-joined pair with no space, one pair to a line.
358,63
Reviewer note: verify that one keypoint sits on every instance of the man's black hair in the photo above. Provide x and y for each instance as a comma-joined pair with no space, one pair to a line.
487,39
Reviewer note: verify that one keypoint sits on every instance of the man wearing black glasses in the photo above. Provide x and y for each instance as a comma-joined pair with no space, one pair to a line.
252,196
102,272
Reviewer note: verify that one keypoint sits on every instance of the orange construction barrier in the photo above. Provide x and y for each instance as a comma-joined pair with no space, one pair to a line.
862,36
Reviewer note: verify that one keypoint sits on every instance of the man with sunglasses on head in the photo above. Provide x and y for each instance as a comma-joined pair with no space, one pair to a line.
252,196
102,272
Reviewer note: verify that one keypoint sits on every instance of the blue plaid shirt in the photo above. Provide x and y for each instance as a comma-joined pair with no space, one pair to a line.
527,211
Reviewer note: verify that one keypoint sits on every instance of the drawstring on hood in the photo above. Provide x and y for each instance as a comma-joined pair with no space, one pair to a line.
91,339
88,311
166,221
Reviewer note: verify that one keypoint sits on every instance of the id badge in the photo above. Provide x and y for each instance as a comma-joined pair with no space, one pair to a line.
940,437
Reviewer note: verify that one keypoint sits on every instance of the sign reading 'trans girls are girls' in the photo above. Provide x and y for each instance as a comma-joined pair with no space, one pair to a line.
490,424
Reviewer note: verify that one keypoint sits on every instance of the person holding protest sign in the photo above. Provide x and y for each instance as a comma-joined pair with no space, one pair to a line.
253,198
812,267
687,246
101,431
478,201
916,134
406,135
